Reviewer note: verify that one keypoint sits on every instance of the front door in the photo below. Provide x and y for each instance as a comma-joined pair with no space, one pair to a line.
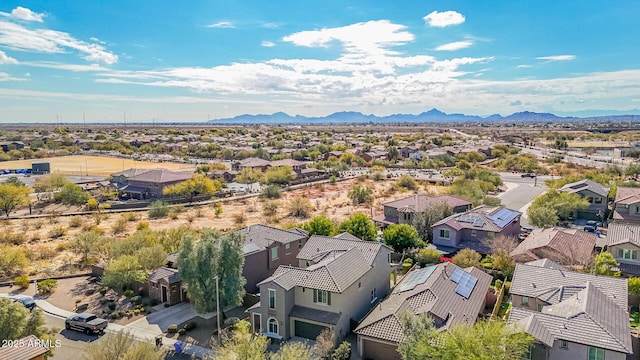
164,294
257,323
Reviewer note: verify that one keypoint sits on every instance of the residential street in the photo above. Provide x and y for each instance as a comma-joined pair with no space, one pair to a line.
522,192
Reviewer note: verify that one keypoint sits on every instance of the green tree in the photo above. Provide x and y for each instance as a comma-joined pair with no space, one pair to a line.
215,255
279,175
467,258
272,191
13,260
544,217
121,272
293,351
152,257
198,184
360,226
17,322
407,182
360,195
248,175
319,225
428,256
502,260
87,243
122,346
12,196
423,221
419,335
401,237
242,344
565,205
72,194
605,264
634,285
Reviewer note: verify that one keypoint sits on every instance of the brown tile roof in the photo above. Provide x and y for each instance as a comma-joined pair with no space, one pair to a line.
588,317
171,275
419,203
254,162
483,218
319,245
435,296
623,233
586,184
161,176
306,313
572,244
287,162
130,172
32,348
627,195
264,236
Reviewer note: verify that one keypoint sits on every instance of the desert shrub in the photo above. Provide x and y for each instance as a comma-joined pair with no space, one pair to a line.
58,231
272,192
120,226
22,281
199,213
47,286
239,218
9,237
142,225
44,252
34,236
269,208
38,224
75,222
129,216
428,256
407,182
136,299
172,329
182,332
63,246
158,209
173,215
333,179
128,293
191,218
136,312
115,315
190,325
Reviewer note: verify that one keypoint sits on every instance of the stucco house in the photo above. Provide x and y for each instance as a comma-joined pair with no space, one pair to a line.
337,284
165,286
623,242
448,294
404,211
475,229
597,195
144,184
565,246
571,315
626,205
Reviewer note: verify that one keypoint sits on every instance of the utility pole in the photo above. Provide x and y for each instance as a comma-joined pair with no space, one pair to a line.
218,309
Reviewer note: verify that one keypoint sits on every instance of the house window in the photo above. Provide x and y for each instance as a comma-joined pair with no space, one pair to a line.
596,353
590,200
274,253
637,209
307,262
374,297
444,233
597,200
628,254
525,300
321,297
287,246
273,326
473,233
272,298
300,243
359,284
564,344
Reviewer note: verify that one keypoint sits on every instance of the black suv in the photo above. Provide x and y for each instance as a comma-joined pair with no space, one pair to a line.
528,175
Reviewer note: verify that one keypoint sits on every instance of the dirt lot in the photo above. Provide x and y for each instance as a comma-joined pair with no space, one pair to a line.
47,240
92,165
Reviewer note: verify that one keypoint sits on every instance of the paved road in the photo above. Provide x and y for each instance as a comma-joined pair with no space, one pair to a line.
520,196
72,343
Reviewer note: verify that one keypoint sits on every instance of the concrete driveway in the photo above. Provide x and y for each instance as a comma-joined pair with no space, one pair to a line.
158,322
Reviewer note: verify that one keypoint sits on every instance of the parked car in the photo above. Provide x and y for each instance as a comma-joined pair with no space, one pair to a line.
86,322
592,226
27,302
528,175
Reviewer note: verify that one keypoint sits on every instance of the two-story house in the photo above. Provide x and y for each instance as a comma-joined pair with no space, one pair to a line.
150,184
475,229
448,294
597,195
571,315
265,249
626,205
565,246
623,242
337,283
404,211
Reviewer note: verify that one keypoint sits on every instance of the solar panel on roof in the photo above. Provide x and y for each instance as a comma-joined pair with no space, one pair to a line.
415,278
466,282
478,222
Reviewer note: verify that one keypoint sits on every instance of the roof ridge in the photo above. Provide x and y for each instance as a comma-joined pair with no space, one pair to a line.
605,330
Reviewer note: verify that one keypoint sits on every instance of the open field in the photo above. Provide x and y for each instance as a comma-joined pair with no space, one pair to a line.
92,165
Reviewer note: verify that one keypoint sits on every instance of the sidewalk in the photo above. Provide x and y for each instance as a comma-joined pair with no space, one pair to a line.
142,333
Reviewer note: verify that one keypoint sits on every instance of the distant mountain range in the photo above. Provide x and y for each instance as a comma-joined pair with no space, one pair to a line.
431,116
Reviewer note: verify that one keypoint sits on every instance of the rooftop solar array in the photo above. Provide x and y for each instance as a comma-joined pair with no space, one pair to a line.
471,218
466,282
415,278
503,217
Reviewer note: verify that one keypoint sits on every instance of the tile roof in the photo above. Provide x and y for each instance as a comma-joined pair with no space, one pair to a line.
553,285
326,317
32,348
160,176
623,233
435,296
130,172
171,275
287,162
483,218
572,244
264,236
335,272
419,203
253,162
627,195
347,236
319,245
588,317
586,184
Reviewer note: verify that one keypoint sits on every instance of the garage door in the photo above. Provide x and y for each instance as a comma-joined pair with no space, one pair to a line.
307,330
377,351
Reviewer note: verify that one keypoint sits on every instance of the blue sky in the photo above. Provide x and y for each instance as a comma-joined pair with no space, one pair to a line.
197,59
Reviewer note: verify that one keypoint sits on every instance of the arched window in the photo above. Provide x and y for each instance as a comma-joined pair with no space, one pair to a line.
273,325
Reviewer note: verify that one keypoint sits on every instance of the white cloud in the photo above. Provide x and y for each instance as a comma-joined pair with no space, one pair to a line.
557,58
222,25
523,66
26,14
18,37
453,46
444,19
6,77
269,25
6,59
267,44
